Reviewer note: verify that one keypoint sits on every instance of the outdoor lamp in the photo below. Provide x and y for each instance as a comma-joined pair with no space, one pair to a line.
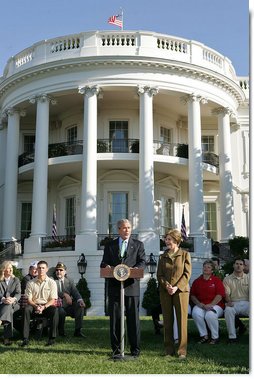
82,263
151,264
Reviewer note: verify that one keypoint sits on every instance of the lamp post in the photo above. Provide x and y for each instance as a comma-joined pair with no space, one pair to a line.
82,263
151,264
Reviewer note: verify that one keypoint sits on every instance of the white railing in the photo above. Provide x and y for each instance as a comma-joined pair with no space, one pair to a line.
134,44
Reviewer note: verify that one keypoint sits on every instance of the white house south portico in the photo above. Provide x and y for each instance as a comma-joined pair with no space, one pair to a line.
133,124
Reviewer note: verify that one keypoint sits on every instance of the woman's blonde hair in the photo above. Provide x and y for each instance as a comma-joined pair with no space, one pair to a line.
175,234
3,267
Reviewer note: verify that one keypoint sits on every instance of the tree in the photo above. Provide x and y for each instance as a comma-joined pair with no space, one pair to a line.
151,298
84,291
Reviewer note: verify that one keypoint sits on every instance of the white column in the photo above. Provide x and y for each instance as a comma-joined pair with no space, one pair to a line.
11,175
196,200
226,185
40,179
146,169
86,239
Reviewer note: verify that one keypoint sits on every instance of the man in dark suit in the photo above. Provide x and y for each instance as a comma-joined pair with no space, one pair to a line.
130,252
72,303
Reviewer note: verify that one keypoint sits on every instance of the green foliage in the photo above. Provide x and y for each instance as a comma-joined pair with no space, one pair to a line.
17,273
237,245
151,298
84,291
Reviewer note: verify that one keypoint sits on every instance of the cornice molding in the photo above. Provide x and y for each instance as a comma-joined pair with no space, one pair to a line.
183,69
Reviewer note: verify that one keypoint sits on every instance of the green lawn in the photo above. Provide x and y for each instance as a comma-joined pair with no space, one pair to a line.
90,355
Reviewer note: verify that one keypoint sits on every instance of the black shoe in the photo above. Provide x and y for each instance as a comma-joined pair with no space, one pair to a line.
78,333
135,354
7,342
24,343
50,342
242,329
232,341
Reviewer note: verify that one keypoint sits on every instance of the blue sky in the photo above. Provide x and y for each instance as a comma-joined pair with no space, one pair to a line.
220,24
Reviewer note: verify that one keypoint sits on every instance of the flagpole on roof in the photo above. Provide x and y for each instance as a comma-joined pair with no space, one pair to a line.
121,10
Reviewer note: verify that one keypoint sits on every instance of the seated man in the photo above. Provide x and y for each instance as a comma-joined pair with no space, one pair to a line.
237,297
72,302
32,273
41,295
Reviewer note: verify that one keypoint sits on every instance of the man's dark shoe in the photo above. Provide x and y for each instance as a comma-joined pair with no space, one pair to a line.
232,341
78,333
135,354
242,329
50,342
24,343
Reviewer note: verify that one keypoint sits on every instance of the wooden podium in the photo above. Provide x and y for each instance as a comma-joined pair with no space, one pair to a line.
121,272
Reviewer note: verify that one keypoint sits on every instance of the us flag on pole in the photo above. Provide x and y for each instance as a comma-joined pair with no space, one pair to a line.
115,20
183,227
54,228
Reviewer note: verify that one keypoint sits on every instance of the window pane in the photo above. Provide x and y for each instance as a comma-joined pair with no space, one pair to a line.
70,216
118,209
207,144
210,221
72,133
118,133
165,135
29,142
26,216
166,214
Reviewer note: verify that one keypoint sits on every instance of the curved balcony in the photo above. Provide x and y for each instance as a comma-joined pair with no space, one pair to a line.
136,44
119,146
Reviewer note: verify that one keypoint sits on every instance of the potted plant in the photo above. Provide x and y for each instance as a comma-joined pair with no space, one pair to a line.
84,291
151,298
182,150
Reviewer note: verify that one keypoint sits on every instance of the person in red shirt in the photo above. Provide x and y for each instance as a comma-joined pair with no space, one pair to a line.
207,293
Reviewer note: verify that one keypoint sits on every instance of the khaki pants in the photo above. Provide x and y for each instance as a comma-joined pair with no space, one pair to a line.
180,300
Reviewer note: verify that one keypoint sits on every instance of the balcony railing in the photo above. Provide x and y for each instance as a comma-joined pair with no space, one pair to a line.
118,146
62,242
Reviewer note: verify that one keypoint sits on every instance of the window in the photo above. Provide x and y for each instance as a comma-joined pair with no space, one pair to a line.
72,134
70,216
29,141
118,209
26,216
211,221
166,214
207,144
165,135
118,133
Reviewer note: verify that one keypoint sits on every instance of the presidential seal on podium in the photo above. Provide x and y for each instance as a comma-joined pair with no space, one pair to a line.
121,272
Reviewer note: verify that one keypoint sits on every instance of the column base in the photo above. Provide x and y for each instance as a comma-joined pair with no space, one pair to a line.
151,241
86,242
32,244
202,246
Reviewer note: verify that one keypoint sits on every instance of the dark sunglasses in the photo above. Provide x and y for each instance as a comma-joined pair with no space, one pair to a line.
59,269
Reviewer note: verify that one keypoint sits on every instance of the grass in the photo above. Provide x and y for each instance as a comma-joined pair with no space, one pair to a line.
90,355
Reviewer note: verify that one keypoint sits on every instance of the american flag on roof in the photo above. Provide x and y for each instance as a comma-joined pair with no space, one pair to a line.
116,20
183,227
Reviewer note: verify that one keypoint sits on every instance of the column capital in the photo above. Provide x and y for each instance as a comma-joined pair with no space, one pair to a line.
12,110
89,90
193,97
223,111
151,91
42,98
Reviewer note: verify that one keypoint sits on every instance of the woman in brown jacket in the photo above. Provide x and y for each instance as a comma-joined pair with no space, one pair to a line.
173,274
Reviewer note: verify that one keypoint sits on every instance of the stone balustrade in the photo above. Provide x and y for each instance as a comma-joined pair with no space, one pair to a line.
135,44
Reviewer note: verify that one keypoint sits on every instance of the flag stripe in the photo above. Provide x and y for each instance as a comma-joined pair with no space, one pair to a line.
113,20
54,227
183,227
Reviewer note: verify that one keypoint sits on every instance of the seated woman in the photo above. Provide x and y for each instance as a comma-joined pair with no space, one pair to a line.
10,292
207,293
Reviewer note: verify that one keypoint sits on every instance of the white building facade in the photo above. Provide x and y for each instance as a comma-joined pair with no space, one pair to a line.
132,124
